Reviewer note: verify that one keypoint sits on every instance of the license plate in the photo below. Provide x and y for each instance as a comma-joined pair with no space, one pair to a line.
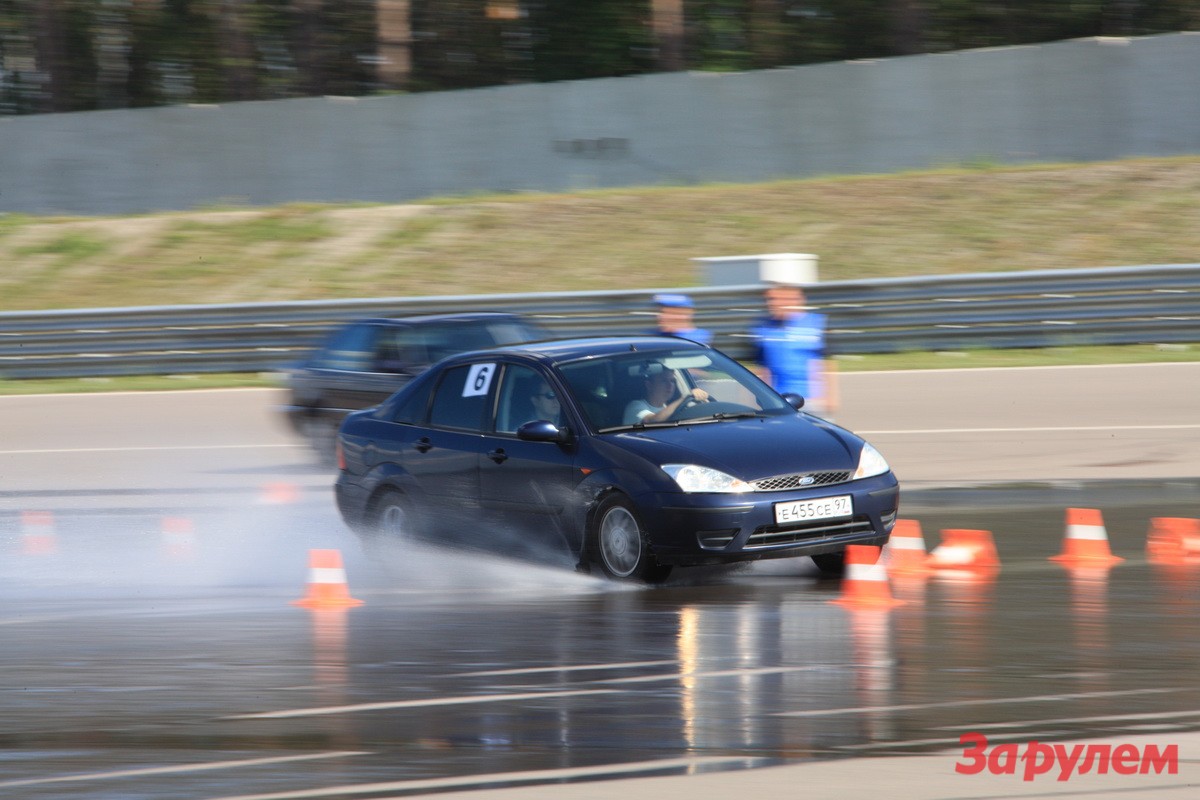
808,510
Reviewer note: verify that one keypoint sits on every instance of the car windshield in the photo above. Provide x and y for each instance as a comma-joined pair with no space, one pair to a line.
671,387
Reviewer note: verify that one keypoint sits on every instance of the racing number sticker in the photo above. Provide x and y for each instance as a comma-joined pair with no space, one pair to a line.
478,380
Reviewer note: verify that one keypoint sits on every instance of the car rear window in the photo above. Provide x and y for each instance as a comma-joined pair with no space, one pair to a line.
461,397
515,332
459,337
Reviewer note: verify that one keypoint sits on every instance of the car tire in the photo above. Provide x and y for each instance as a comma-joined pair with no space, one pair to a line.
833,564
617,543
391,519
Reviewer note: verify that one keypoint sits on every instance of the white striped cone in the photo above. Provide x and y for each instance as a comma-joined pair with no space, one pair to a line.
38,536
178,538
904,553
865,583
1086,540
962,548
327,587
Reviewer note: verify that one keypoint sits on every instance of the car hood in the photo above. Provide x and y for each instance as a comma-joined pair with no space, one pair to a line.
749,449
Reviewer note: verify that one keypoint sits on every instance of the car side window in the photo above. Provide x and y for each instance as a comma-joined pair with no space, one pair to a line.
513,332
461,397
519,388
447,340
399,350
352,348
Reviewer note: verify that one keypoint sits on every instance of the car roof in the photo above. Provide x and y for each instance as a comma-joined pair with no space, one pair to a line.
560,350
470,316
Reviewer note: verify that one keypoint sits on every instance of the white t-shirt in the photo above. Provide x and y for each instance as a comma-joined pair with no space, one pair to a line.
638,410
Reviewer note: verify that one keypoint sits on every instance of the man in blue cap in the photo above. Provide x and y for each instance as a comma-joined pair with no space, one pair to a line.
675,318
790,349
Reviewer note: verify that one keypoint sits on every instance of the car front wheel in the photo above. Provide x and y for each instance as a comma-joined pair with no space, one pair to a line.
618,544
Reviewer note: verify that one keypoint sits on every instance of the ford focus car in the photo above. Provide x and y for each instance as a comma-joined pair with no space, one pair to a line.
631,455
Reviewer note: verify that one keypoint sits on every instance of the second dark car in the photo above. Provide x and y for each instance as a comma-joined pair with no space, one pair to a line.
362,363
630,454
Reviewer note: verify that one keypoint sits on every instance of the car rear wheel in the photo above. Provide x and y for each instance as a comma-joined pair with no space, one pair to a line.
391,519
618,544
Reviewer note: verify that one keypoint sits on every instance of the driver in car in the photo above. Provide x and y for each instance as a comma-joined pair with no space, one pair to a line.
660,387
546,404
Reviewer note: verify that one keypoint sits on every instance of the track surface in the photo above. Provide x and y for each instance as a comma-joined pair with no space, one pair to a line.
150,649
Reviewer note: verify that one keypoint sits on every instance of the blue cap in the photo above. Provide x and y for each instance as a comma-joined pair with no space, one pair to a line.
673,300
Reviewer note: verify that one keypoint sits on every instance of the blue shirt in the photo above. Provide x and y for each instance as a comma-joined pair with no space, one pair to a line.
791,349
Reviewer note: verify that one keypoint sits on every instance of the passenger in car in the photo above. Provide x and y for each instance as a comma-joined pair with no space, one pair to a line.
660,387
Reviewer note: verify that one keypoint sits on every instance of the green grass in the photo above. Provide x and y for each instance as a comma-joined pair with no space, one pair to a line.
978,217
136,383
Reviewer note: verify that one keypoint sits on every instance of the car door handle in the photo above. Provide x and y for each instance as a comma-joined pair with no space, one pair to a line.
499,456
423,444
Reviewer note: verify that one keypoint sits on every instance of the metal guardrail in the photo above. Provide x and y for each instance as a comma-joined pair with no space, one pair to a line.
1123,305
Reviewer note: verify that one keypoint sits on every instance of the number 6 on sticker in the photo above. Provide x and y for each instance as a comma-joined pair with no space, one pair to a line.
478,380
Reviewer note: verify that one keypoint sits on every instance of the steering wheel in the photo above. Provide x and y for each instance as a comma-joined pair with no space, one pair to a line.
690,402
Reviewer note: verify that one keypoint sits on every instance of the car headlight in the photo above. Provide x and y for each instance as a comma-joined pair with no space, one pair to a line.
694,478
870,463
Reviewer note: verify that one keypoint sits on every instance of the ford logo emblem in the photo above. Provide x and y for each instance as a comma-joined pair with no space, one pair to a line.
807,480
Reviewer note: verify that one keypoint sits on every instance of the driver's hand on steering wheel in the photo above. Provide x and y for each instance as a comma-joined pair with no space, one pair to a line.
700,396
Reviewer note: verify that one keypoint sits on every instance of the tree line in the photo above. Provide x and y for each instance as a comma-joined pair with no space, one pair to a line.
77,55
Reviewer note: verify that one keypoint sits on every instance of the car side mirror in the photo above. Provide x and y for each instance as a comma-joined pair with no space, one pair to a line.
541,430
794,400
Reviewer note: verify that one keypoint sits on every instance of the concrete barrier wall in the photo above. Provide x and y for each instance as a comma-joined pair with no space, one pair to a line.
1079,100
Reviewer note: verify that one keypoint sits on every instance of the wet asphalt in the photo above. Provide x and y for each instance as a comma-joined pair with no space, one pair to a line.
151,647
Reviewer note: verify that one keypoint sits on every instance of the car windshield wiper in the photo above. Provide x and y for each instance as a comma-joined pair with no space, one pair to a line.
616,428
641,426
718,416
674,423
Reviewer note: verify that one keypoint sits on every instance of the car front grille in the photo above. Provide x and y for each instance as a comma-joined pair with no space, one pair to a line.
774,535
801,480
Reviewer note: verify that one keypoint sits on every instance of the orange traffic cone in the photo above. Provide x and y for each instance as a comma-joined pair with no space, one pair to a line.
865,583
965,549
1173,541
1086,540
904,553
178,541
38,537
327,587
280,493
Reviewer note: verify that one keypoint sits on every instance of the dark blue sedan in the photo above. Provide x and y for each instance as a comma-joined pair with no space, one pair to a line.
633,454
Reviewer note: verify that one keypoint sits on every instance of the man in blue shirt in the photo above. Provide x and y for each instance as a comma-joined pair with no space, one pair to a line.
790,349
675,318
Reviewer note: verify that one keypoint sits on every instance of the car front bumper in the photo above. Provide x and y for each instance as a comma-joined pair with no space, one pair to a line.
703,528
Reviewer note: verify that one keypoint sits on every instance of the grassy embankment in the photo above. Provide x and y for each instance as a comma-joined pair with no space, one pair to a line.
965,219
